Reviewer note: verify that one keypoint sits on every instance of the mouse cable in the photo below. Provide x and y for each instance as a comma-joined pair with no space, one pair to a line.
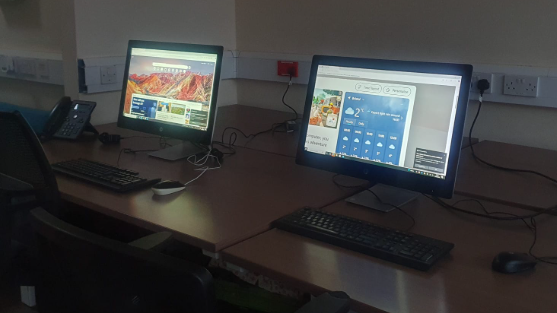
202,162
544,259
477,158
510,217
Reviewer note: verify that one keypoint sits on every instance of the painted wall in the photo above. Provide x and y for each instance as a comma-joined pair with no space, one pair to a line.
104,27
31,25
499,32
30,94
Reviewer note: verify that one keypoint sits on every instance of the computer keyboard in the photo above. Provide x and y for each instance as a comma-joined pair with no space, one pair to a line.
114,178
392,245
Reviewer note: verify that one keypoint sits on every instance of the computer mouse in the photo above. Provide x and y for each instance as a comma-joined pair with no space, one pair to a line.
167,187
513,262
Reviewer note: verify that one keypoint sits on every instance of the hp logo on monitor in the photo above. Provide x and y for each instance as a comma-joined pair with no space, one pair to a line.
161,129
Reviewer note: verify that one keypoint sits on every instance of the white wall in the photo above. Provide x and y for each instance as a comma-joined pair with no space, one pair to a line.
31,25
487,32
502,32
104,27
30,94
27,25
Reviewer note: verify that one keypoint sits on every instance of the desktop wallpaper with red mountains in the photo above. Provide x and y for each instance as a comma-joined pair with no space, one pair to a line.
194,84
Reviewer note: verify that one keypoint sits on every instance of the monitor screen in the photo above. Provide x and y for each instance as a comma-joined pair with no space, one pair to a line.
402,120
170,87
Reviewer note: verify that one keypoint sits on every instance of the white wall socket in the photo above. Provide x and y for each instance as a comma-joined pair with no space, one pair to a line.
517,85
108,74
478,76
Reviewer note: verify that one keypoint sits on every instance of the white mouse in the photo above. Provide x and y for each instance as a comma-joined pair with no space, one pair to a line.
167,187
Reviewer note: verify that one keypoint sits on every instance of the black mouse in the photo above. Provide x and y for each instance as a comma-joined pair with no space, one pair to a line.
513,262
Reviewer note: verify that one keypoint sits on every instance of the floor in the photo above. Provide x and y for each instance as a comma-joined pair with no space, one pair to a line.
10,301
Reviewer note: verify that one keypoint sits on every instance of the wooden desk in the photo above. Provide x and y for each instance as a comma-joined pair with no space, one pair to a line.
221,208
462,283
524,190
252,120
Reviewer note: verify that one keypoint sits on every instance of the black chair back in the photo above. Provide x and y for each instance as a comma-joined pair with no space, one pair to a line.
26,181
22,159
83,272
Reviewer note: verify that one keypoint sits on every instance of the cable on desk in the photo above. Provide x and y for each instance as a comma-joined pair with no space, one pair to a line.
284,102
346,186
545,259
477,158
396,207
275,128
509,217
234,135
230,148
146,137
131,151
376,196
162,142
192,159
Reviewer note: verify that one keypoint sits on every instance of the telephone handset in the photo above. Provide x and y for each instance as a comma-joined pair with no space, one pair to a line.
68,119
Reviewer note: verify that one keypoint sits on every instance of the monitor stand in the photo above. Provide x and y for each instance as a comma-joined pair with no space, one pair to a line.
387,194
177,152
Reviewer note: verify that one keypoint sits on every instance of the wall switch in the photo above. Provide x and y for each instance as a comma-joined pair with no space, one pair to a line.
517,85
478,76
108,75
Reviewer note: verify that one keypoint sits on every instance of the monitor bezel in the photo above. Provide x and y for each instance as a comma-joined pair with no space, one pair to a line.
164,129
379,174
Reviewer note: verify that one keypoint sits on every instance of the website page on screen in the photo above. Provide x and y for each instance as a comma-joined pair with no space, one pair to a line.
401,120
172,87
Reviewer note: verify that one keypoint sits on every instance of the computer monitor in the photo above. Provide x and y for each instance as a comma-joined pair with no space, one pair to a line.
397,123
170,89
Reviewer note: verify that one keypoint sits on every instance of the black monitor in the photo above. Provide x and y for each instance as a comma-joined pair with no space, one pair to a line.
170,89
397,123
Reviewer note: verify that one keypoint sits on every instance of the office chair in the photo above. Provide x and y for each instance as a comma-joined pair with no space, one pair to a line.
26,181
84,272
23,162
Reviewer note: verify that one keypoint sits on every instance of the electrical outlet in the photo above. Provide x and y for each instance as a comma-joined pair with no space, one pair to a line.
525,86
108,75
478,76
